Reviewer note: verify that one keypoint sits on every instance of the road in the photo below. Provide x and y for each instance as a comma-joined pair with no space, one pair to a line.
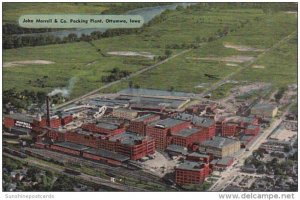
118,81
86,177
233,170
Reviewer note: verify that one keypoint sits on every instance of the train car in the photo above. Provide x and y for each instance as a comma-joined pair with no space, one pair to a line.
14,152
72,171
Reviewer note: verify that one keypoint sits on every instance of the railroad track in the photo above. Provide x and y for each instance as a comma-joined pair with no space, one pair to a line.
117,171
86,177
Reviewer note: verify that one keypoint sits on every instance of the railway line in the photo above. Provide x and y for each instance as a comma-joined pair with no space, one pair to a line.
117,171
86,177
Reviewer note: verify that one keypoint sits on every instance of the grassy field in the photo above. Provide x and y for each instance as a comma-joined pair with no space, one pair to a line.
250,27
280,65
184,74
80,60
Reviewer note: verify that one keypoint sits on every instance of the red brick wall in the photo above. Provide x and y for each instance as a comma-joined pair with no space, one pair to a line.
184,177
98,158
137,127
66,119
229,130
198,159
82,139
180,126
94,128
252,131
65,150
159,135
55,123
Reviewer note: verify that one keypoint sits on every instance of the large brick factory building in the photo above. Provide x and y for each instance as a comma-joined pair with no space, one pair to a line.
191,173
161,129
220,147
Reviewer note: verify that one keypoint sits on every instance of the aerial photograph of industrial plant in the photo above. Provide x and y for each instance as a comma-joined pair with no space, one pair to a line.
149,97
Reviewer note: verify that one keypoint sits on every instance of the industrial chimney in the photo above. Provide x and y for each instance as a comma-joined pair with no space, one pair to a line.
48,110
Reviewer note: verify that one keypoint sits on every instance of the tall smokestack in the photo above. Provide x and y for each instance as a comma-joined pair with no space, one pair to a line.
48,110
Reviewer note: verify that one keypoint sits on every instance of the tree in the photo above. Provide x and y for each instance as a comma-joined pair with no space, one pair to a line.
72,37
130,84
168,53
32,171
63,183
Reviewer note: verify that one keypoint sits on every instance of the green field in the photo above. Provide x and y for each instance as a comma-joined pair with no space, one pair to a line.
177,30
184,74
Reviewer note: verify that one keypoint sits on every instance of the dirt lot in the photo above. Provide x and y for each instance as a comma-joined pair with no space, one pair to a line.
160,165
234,59
258,66
242,48
131,53
27,62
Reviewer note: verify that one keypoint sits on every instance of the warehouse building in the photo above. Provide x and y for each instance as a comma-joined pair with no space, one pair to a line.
198,157
222,164
133,145
187,137
207,125
252,130
139,124
129,144
191,173
104,156
69,148
220,147
264,110
159,130
124,113
103,128
230,129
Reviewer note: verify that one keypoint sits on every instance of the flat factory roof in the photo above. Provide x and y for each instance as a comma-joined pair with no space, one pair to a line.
153,92
107,154
83,132
199,155
144,117
187,132
223,161
71,145
106,126
188,165
127,138
200,121
177,149
167,123
218,142
252,127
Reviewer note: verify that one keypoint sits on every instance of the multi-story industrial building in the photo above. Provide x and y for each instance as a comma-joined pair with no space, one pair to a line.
139,124
159,130
191,173
187,137
264,110
220,147
207,125
103,128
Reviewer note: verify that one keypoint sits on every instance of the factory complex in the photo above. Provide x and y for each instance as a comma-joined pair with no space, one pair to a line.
133,125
